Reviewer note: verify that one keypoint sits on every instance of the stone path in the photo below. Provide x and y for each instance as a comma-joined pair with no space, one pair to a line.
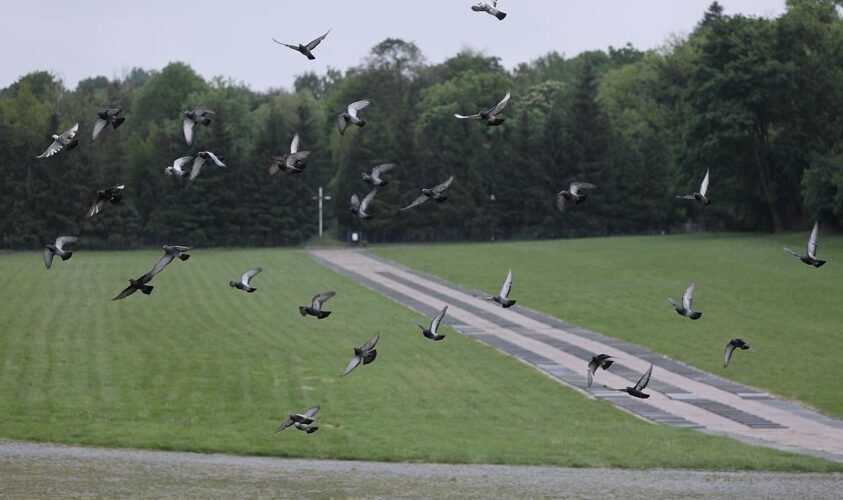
681,395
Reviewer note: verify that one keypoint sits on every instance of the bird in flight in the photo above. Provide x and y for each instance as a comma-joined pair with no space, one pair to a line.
105,117
315,308
730,348
639,387
573,195
305,49
191,118
365,354
432,332
170,253
111,195
491,9
374,178
57,248
810,256
66,140
685,308
701,195
439,193
350,116
243,284
359,207
491,116
292,163
176,167
301,421
598,361
201,159
502,297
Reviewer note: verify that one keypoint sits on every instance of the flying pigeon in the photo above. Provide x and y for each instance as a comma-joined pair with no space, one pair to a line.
105,117
170,252
365,354
687,301
359,207
135,285
599,361
292,163
351,116
176,168
111,195
810,257
65,140
491,9
301,421
191,118
243,284
701,195
502,297
572,195
375,177
640,386
201,159
730,348
315,308
491,116
438,193
433,332
57,248
305,49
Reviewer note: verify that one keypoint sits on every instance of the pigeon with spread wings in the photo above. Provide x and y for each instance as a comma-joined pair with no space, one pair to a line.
598,361
350,116
301,421
374,178
315,308
439,193
105,117
639,387
432,332
573,195
201,159
491,116
57,248
685,308
176,167
243,284
292,163
66,140
305,50
701,195
359,208
502,297
365,354
810,256
730,348
491,9
111,195
191,118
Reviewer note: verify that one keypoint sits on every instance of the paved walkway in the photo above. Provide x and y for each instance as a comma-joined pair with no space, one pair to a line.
681,396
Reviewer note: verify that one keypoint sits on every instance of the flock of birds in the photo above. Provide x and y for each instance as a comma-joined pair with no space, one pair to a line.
294,162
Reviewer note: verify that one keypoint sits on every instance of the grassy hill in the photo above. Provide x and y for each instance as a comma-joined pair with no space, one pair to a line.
747,287
200,366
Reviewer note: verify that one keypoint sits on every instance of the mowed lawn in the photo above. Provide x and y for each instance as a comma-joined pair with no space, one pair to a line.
747,287
200,366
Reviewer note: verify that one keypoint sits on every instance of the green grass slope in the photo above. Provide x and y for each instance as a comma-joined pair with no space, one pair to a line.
747,287
200,366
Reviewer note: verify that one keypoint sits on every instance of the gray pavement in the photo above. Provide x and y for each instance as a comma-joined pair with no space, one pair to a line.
681,395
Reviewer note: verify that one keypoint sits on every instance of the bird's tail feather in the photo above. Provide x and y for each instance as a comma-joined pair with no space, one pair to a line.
67,255
819,263
206,121
500,15
695,315
147,289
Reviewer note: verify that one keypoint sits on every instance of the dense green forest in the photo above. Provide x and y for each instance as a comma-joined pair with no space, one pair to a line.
757,101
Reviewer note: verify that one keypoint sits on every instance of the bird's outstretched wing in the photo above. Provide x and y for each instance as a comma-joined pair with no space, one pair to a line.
356,106
381,169
61,241
248,275
645,379
575,187
355,361
368,199
318,300
704,185
560,202
283,425
467,117
368,346
507,285
294,144
355,201
727,354
216,159
125,293
48,257
161,264
434,325
198,163
294,47
688,296
418,201
442,187
342,124
96,207
312,45
499,106
812,241
98,126
311,412
187,127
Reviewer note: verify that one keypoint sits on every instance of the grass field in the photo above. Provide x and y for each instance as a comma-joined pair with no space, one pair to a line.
199,366
747,287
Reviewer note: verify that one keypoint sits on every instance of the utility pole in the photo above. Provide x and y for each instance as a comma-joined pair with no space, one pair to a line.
320,197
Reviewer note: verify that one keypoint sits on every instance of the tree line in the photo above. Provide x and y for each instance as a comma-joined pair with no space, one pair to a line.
757,101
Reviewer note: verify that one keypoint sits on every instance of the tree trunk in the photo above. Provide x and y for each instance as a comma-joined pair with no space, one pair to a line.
760,145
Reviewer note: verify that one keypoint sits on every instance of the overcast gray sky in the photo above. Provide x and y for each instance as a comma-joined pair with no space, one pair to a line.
76,40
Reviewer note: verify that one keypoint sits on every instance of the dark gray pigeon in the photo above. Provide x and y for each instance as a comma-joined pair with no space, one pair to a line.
111,195
810,256
491,116
191,118
170,252
315,308
433,331
359,208
502,298
305,49
573,195
243,284
639,387
57,248
598,361
105,117
176,168
685,308
730,348
293,163
66,140
701,196
301,421
200,160
350,116
439,193
374,178
491,9
365,354
135,285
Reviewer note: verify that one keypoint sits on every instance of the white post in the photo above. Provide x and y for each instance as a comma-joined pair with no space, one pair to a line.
320,197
